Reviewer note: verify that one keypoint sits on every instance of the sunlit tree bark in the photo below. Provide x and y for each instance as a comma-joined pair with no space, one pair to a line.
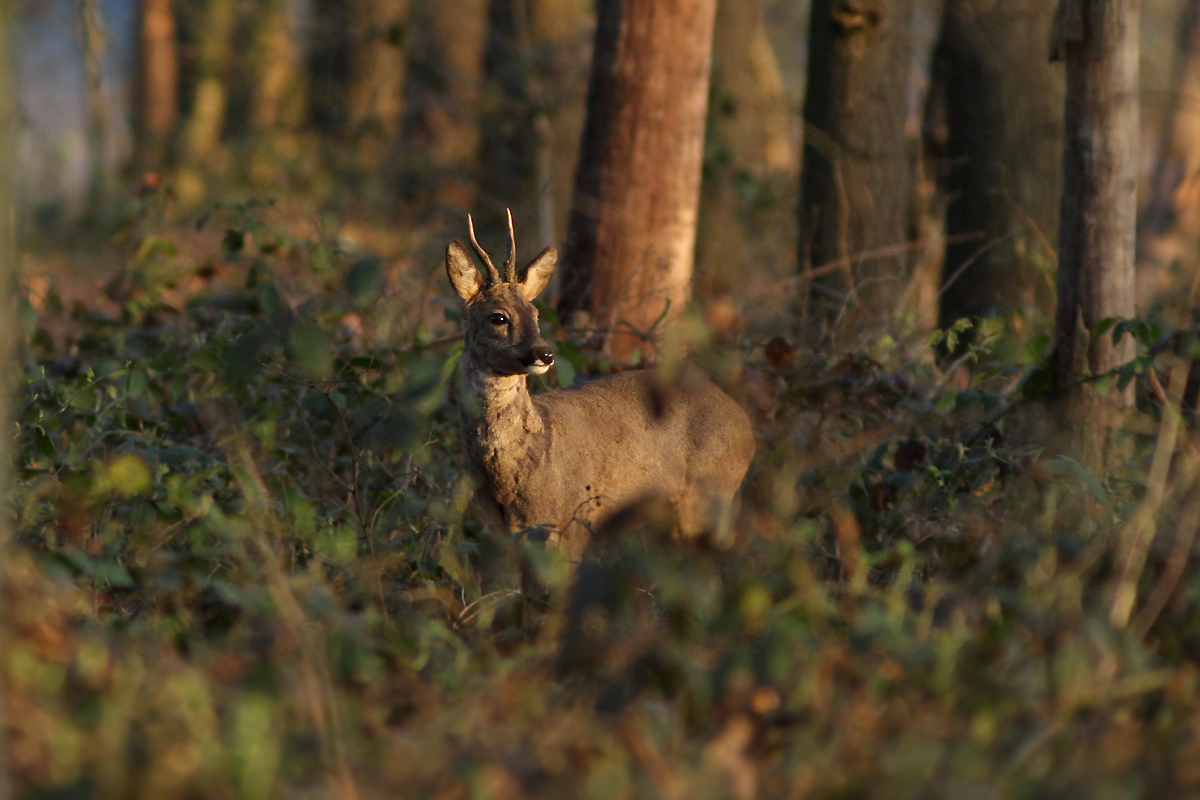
1169,229
156,88
1098,40
378,66
203,129
277,84
632,230
749,150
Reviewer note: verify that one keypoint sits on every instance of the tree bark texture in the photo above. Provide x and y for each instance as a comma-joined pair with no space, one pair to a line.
329,65
156,103
858,175
632,230
1169,228
1003,104
1098,40
749,155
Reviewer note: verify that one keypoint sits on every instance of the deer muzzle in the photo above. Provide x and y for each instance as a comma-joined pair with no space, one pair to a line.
538,360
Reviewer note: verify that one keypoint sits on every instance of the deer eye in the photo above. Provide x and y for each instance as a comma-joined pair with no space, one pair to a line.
499,318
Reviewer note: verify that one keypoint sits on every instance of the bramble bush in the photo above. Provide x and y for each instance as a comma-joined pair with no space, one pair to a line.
247,565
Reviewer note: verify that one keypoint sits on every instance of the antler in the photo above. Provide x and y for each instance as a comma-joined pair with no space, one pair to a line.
493,274
510,266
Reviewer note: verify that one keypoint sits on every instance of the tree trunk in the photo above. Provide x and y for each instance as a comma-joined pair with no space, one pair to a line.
8,267
858,176
442,136
1003,107
378,65
749,153
204,128
329,65
1098,41
96,99
276,70
632,230
156,103
533,113
1169,229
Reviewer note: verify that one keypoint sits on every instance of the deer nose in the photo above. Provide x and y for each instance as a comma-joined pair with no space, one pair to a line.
539,355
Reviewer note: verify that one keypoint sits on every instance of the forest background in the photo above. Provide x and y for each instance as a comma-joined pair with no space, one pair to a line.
243,557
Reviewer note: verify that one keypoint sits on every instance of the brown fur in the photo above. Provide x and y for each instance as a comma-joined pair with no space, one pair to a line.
570,460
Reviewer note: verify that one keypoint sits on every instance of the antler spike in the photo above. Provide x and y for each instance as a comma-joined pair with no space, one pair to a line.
493,273
510,266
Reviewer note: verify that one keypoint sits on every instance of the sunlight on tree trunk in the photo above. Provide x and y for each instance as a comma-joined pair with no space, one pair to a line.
1098,41
632,231
749,152
277,93
202,135
858,178
1169,230
96,98
378,65
156,105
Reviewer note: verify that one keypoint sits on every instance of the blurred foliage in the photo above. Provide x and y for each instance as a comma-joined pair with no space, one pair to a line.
247,566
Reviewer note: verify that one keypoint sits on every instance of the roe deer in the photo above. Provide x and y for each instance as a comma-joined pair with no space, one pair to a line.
567,461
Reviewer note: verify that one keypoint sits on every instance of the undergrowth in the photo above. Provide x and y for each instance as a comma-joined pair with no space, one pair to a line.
246,565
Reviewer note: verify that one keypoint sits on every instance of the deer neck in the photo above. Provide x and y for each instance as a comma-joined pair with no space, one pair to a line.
505,433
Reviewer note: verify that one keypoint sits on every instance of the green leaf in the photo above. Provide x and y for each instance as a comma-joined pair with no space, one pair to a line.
1039,386
1104,326
565,373
365,279
1035,348
234,241
310,345
268,298
204,361
1085,478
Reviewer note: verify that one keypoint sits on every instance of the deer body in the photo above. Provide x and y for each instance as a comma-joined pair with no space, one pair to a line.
569,460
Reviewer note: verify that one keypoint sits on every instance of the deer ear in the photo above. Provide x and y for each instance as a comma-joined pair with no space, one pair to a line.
537,273
464,277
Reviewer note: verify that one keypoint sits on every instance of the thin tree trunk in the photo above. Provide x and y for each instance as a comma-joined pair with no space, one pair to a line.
378,66
748,142
632,230
439,150
329,65
1169,229
276,67
858,176
8,266
204,128
156,106
1098,41
96,99
1003,108
532,116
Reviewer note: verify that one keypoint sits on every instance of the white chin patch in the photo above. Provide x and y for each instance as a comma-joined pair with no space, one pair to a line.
538,369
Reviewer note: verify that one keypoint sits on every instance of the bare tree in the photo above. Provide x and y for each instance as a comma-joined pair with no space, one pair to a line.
532,114
378,65
749,148
1169,228
8,262
204,127
1003,109
632,230
858,176
91,24
156,90
1098,40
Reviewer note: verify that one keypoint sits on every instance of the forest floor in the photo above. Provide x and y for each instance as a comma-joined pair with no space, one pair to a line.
247,564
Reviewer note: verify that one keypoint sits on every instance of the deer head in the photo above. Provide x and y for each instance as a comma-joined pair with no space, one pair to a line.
500,320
